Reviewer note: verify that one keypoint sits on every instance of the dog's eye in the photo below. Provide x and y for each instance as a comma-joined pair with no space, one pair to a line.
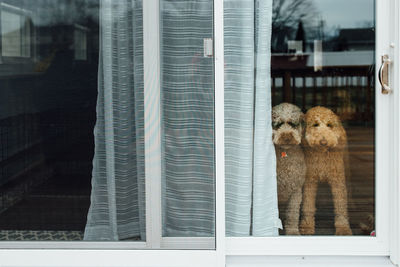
330,125
277,125
294,125
315,124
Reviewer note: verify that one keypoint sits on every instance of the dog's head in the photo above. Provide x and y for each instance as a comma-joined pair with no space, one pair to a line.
287,124
323,129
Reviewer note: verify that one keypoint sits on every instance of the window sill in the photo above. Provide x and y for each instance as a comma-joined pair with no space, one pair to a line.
309,261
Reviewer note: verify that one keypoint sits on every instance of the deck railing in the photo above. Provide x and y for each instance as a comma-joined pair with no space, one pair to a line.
347,90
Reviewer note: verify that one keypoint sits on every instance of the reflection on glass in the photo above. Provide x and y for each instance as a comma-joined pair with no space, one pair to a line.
323,65
250,175
47,115
316,109
72,137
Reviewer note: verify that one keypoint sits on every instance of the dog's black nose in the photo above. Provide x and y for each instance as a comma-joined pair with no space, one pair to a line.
323,142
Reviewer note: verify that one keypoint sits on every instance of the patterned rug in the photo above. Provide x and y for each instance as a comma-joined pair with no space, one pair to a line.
26,235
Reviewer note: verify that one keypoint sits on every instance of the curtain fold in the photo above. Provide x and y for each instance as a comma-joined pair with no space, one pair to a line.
250,164
187,96
117,208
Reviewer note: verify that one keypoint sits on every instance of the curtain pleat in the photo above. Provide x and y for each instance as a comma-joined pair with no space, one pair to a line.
117,208
250,165
265,201
187,89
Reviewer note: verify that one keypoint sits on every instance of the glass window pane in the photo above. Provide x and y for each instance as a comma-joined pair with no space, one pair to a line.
72,123
314,104
187,90
47,116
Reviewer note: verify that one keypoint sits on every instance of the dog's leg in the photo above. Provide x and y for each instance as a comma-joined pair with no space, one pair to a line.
339,193
307,225
293,213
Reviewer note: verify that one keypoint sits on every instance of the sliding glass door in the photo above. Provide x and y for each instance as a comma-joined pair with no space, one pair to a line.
117,142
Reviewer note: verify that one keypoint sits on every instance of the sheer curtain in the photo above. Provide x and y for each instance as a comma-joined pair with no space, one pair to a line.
117,209
187,96
250,164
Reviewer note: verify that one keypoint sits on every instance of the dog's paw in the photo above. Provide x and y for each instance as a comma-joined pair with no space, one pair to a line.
292,231
307,226
342,226
343,230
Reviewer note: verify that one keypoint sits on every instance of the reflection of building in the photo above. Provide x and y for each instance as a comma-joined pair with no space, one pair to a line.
338,73
48,81
344,40
334,71
16,32
356,39
30,38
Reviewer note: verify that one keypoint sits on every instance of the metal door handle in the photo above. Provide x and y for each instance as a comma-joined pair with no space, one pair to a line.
383,75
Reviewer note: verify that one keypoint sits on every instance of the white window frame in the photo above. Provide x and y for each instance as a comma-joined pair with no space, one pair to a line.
347,251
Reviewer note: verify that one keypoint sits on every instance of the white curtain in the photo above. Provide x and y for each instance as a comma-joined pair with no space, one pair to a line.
187,96
117,210
250,165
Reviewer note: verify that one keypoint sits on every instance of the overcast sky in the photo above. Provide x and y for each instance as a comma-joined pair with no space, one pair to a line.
346,13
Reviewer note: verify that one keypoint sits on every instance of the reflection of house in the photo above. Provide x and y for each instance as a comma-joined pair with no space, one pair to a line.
338,73
74,39
30,38
356,39
48,80
345,40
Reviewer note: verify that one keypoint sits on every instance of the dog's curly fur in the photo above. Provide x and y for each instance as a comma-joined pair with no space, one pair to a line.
325,143
287,122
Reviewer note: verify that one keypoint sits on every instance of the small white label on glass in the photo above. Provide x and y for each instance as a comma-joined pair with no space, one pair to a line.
208,47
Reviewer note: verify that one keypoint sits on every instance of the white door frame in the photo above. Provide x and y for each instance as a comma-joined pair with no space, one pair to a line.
387,192
153,139
394,194
350,245
152,121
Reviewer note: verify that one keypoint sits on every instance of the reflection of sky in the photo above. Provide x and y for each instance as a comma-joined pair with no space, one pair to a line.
346,13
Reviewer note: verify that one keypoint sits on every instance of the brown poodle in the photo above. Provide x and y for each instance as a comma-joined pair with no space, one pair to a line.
287,123
325,144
